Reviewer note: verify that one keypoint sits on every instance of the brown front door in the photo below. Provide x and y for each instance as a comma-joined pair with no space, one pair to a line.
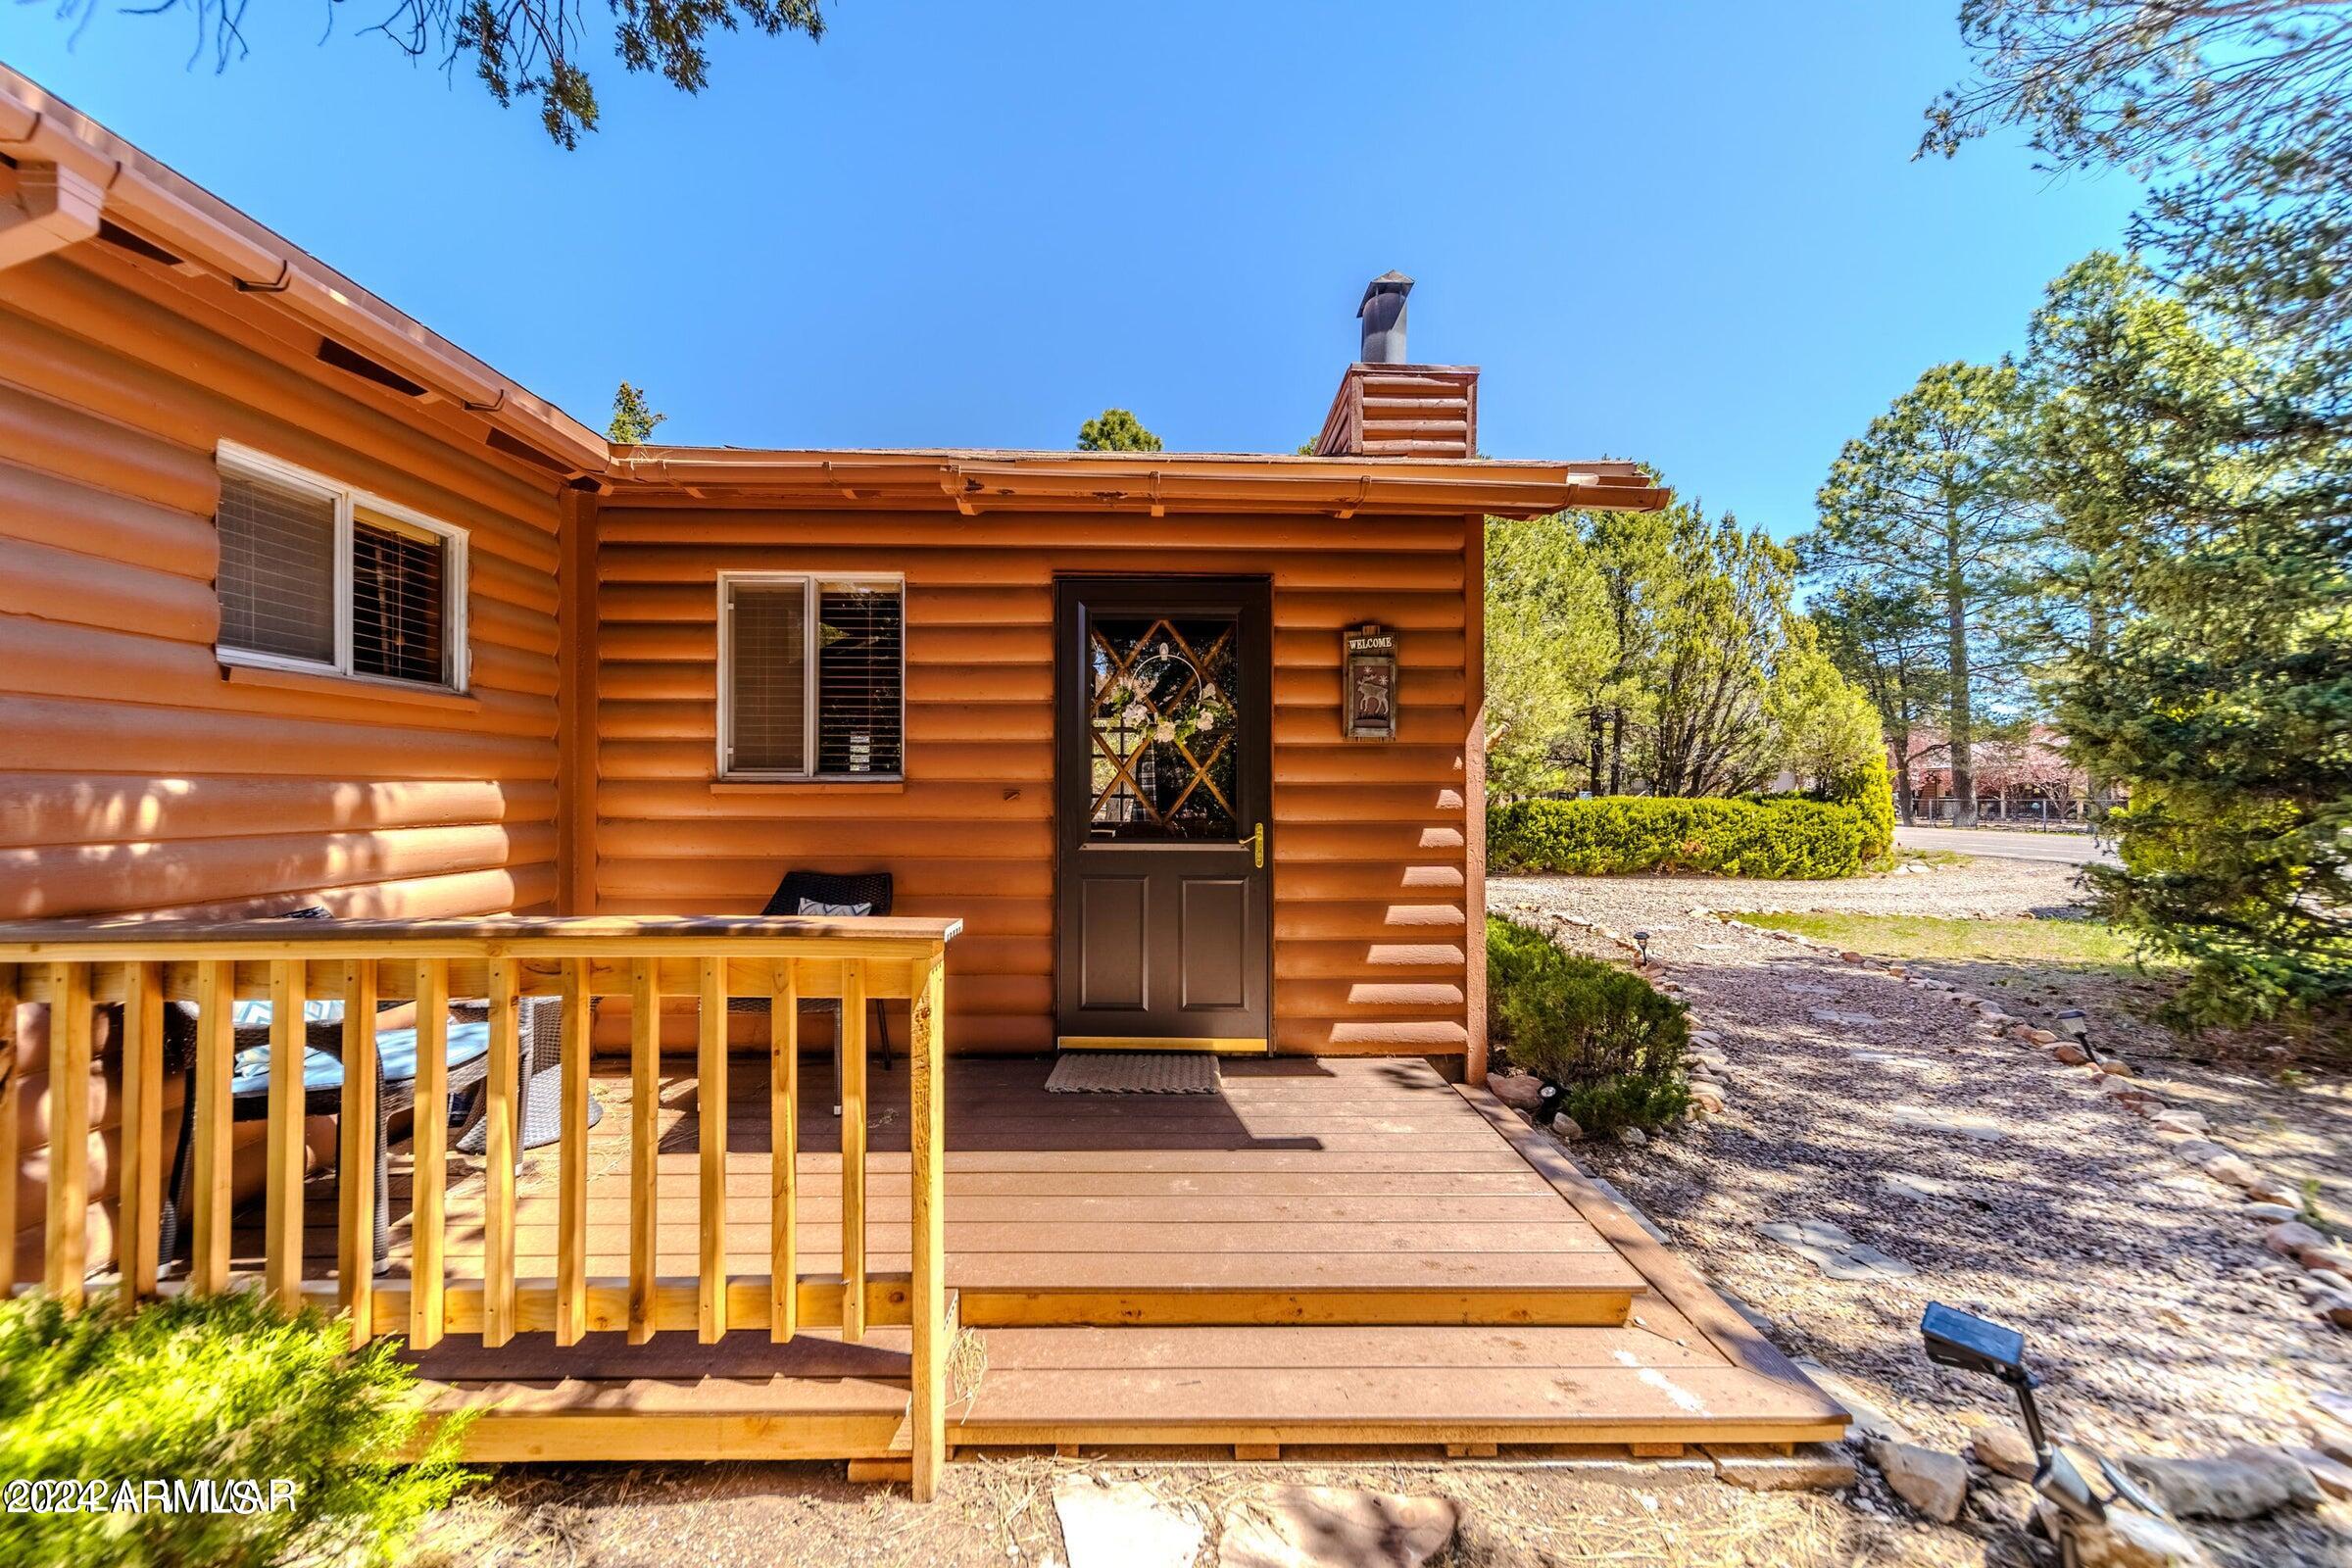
1164,906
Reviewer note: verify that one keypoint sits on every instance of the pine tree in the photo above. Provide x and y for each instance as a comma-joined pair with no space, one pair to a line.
2203,487
1116,430
1926,503
633,418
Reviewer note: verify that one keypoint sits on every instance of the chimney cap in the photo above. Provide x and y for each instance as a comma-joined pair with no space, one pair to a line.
1388,283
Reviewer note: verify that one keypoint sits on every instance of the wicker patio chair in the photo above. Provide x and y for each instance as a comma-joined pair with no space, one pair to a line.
539,1068
468,1048
824,893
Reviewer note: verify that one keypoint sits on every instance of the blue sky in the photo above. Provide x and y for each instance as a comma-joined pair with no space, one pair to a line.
1689,233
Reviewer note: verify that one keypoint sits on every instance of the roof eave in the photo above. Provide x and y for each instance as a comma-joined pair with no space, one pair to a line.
182,217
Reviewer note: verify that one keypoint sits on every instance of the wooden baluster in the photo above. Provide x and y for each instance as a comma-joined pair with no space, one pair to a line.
69,1131
711,1114
571,1202
645,1141
852,1148
926,1136
210,1168
10,1079
498,1169
784,1152
428,1155
355,1158
142,1196
289,1046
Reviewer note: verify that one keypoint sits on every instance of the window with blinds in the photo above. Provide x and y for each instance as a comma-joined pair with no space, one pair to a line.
399,600
315,577
767,677
815,679
277,568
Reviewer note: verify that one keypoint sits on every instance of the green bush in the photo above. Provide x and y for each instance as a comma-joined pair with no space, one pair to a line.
1869,790
1626,834
229,1390
1611,1042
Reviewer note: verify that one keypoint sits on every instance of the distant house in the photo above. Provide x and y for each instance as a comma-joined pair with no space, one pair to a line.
2026,778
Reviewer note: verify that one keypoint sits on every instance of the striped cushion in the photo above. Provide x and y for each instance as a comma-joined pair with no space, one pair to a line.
256,1014
395,1048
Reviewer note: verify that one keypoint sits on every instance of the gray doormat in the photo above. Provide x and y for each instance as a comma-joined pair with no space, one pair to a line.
1134,1072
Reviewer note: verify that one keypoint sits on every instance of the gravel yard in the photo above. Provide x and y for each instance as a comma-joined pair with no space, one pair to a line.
2011,1186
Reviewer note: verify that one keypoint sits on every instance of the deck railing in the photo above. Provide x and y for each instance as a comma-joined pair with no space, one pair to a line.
75,966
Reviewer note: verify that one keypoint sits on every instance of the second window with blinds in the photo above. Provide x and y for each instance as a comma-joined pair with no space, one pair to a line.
811,677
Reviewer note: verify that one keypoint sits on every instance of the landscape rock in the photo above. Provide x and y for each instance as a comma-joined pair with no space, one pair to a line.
2245,1483
1919,1188
2290,1238
2270,1213
1837,1253
1521,1090
1931,1481
1981,1129
1632,1135
2270,1189
1125,1524
2179,1121
1706,1096
2004,1450
2335,1305
2329,1259
1567,1126
2231,1169
1333,1526
2071,1054
2334,1475
2127,1541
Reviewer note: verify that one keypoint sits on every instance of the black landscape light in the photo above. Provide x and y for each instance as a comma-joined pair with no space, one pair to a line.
2076,1027
1972,1343
1642,941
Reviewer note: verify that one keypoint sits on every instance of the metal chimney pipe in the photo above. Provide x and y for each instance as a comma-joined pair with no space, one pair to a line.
1383,315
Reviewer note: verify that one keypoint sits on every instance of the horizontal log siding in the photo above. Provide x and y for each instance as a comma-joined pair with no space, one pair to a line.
134,775
1367,840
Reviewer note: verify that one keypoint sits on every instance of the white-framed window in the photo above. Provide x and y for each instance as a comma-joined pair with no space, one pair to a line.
812,675
320,577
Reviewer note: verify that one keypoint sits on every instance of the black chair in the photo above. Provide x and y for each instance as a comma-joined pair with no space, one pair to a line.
824,893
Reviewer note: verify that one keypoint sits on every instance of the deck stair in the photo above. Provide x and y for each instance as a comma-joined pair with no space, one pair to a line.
1332,1252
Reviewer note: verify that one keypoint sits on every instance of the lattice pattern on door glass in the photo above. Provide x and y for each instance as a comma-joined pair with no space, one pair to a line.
1164,726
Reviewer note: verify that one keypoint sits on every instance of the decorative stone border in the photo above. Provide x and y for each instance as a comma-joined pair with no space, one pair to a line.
2328,1266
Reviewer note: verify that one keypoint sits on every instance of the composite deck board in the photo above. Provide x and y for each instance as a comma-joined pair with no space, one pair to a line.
1343,1176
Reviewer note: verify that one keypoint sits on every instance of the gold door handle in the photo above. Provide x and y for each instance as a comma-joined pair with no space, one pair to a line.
1256,843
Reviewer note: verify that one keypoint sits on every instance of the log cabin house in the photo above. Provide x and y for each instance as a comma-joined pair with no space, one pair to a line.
303,606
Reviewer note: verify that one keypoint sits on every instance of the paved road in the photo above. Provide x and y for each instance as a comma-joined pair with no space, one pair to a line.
2009,844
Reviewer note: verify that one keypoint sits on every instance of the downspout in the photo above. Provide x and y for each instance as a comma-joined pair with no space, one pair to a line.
577,679
1474,797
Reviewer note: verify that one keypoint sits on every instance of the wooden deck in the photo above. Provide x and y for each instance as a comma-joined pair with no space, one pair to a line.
1326,1252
